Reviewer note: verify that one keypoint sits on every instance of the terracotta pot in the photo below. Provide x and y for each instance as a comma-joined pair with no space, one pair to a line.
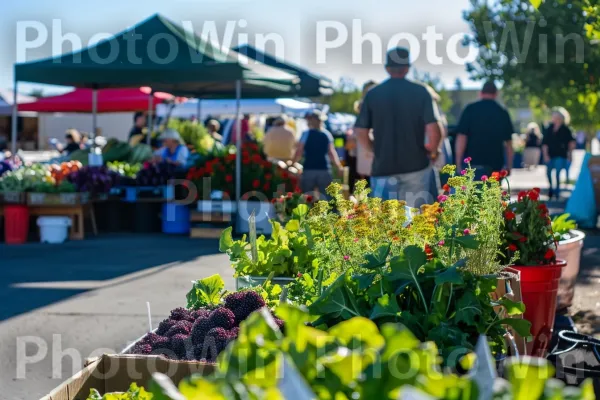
539,287
570,251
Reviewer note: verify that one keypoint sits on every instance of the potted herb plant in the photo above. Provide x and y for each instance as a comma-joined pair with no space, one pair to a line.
529,243
570,243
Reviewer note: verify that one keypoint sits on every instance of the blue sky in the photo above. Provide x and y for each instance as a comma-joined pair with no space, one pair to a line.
294,21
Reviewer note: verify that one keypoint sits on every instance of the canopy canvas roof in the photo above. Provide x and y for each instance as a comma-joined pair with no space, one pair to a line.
160,54
109,100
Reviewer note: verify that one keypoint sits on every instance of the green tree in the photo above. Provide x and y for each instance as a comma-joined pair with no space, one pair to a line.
546,49
345,94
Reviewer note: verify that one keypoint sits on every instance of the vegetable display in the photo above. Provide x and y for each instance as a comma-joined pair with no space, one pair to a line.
61,171
95,180
354,360
124,168
203,330
26,179
194,135
258,175
156,174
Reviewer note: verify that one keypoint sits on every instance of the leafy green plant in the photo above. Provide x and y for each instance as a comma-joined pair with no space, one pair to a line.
207,292
353,360
448,305
125,169
134,393
562,225
285,254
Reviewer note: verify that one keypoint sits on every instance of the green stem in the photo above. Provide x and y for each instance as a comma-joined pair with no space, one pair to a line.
320,282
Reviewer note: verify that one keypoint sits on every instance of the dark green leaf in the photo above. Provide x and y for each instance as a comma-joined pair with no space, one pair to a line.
377,259
405,268
386,307
512,307
450,275
521,326
364,281
468,308
467,242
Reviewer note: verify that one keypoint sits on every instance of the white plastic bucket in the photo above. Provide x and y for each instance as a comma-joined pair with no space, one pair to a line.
54,230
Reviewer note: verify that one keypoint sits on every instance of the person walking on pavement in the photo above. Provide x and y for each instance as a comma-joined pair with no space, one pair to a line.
316,146
557,147
533,143
401,114
484,134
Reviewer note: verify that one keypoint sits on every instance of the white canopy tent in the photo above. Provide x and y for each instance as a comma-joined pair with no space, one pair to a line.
227,108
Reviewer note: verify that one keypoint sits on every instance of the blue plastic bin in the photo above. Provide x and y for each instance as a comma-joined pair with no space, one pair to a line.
175,219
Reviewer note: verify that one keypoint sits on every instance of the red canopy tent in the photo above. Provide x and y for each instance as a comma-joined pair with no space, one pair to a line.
109,100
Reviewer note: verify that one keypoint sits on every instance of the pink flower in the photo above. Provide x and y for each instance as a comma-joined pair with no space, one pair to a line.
346,258
468,160
442,198
504,193
441,243
484,178
355,240
351,216
463,188
463,172
466,231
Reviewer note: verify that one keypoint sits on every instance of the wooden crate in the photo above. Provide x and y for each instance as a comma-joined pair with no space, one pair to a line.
59,199
208,225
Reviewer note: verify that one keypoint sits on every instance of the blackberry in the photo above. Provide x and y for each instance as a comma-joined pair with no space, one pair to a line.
222,318
182,314
214,343
180,327
142,348
179,344
199,330
243,304
164,326
200,313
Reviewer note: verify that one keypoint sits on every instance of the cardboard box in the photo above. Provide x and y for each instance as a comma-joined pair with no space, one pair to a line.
115,372
510,287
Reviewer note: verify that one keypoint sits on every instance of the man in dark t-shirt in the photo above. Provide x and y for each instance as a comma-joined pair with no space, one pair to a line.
485,134
401,113
139,123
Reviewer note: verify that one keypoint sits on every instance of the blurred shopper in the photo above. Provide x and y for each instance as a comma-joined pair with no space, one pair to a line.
245,124
533,146
139,123
317,148
440,161
401,114
213,127
173,151
557,147
280,141
581,140
73,142
484,134
363,156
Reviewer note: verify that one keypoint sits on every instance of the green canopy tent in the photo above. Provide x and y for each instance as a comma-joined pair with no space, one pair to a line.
162,55
311,84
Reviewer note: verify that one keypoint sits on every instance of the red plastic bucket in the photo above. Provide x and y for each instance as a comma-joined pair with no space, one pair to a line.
539,287
16,224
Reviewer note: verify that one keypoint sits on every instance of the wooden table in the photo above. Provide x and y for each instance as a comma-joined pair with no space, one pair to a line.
76,212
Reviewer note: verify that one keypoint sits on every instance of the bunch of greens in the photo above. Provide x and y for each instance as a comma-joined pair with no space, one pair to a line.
562,226
134,393
194,134
285,254
353,360
446,304
125,169
62,187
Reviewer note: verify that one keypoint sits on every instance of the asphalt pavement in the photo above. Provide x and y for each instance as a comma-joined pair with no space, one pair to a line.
62,304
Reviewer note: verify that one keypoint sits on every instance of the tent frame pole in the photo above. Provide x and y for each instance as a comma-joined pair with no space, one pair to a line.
199,110
150,122
94,114
15,116
238,140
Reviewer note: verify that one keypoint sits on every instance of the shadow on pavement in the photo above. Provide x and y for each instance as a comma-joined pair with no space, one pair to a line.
62,271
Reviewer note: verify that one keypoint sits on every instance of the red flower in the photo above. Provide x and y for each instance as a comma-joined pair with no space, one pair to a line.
228,178
549,255
509,215
285,175
245,161
273,201
230,157
523,239
268,177
522,195
257,159
289,195
537,190
496,176
503,173
512,247
255,183
446,188
533,195
209,168
266,187
309,199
